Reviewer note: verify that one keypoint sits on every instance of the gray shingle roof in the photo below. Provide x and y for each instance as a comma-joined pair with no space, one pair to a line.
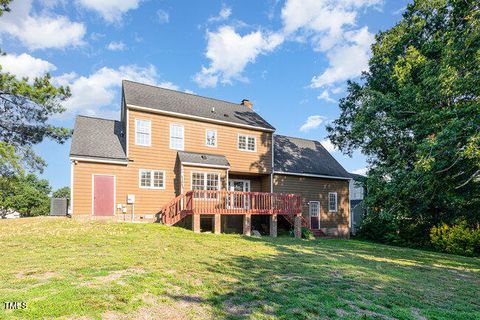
203,158
296,155
144,95
98,138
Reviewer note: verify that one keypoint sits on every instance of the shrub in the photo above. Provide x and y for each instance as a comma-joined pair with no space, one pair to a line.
307,234
456,239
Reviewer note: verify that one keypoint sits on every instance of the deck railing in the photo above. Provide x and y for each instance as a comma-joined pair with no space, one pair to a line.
230,202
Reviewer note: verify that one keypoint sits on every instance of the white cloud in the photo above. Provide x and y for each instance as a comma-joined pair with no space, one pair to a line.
348,60
116,46
328,145
229,53
223,15
163,16
312,122
325,95
25,65
361,171
331,28
110,10
40,31
97,93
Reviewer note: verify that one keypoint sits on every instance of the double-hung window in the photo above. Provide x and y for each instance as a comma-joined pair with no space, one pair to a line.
152,179
143,130
332,202
247,143
176,136
211,138
205,181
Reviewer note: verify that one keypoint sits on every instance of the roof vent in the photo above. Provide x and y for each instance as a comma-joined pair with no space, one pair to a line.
204,157
225,115
213,109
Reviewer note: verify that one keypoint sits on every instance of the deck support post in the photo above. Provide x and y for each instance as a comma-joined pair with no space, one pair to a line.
217,223
297,226
196,223
247,224
273,225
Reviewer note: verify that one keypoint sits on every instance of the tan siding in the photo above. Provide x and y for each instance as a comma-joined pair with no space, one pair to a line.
159,153
147,201
317,189
159,156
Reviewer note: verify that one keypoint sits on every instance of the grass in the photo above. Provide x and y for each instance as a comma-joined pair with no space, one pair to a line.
92,270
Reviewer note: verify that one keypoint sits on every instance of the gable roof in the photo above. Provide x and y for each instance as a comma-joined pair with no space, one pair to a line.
98,138
203,159
301,156
166,100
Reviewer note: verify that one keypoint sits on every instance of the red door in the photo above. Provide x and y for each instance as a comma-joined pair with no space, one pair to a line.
103,195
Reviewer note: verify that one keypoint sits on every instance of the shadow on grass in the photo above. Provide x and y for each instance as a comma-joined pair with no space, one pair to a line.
338,279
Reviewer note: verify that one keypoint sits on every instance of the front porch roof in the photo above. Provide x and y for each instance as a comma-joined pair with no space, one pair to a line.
203,159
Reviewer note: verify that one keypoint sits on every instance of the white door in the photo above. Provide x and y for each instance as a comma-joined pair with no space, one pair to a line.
239,201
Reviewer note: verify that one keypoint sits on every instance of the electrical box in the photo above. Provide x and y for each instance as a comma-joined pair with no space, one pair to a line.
130,199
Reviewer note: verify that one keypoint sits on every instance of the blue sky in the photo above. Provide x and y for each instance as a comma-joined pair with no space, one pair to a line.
290,58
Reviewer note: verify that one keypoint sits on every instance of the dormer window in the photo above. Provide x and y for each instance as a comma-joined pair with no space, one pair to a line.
211,138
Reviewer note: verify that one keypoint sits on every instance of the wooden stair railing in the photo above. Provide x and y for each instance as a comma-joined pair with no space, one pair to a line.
177,209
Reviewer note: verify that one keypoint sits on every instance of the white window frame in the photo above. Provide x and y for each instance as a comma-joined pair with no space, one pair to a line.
152,174
336,202
172,125
310,209
205,173
149,132
246,142
206,138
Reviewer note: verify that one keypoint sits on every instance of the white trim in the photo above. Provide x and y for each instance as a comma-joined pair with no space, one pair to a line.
114,190
273,163
204,173
71,187
310,213
183,136
126,129
245,181
206,138
336,202
193,164
152,172
125,162
182,115
246,142
149,133
310,175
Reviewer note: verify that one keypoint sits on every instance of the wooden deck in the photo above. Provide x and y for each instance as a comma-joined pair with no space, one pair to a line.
230,203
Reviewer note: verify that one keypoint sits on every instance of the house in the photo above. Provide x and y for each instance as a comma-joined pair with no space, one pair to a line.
357,208
184,159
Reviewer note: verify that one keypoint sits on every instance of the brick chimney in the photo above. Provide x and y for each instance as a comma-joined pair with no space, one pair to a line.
247,103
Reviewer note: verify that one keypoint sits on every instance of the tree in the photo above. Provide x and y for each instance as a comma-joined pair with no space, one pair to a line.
27,195
63,192
26,107
416,115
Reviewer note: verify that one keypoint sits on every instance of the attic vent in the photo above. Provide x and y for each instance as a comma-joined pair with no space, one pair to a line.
225,115
204,157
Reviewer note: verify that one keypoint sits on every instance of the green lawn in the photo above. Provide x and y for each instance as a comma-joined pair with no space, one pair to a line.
92,270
